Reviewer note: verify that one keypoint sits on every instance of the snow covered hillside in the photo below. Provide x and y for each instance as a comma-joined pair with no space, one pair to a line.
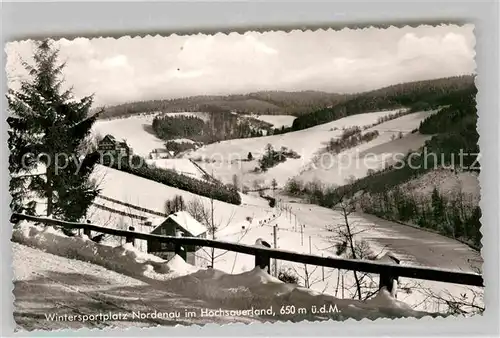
152,195
135,130
228,158
181,165
137,282
317,236
448,183
384,150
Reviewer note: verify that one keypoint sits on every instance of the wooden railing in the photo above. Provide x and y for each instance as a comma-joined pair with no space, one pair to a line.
387,272
119,212
133,206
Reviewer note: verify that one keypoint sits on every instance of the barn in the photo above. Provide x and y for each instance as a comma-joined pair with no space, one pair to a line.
179,224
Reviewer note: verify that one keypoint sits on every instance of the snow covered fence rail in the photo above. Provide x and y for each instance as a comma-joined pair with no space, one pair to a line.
119,212
393,271
132,206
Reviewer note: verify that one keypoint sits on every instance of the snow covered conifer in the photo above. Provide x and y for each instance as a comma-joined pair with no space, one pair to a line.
47,129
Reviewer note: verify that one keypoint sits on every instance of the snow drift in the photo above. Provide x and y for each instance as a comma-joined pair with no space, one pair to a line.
254,289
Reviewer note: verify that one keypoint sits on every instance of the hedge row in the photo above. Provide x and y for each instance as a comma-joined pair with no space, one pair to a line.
137,166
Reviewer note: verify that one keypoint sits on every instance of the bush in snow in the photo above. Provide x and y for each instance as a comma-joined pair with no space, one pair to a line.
174,205
287,276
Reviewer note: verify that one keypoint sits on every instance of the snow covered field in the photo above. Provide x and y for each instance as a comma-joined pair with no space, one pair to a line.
277,121
234,283
412,246
136,282
152,195
376,154
181,165
225,157
135,130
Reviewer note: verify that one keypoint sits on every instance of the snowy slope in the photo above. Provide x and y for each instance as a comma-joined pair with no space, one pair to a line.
376,154
411,245
277,121
225,158
306,142
152,195
135,130
448,183
181,165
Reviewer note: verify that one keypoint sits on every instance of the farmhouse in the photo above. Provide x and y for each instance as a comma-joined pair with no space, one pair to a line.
160,153
179,224
111,146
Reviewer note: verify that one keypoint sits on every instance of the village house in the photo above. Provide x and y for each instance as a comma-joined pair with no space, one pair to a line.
179,224
160,153
111,146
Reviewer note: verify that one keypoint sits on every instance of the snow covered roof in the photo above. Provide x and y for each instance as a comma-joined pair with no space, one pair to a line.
156,221
160,150
109,137
188,223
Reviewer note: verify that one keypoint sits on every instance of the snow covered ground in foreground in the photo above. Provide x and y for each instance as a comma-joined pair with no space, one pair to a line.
412,246
250,289
48,286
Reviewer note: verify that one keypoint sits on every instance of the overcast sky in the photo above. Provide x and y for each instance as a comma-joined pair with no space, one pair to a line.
129,69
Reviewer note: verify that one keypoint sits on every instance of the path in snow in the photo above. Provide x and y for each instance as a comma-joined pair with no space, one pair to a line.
45,284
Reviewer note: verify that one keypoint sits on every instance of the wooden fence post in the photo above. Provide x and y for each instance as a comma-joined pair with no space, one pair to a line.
14,218
263,260
130,239
178,248
86,231
389,279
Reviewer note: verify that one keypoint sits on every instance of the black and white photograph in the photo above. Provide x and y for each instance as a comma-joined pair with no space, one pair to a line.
247,177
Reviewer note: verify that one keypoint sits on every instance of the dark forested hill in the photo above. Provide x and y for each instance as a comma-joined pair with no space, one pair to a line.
265,102
419,95
311,107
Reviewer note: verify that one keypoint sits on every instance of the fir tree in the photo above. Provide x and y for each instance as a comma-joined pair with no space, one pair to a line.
48,127
437,207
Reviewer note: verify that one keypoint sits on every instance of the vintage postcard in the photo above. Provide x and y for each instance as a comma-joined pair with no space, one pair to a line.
257,177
